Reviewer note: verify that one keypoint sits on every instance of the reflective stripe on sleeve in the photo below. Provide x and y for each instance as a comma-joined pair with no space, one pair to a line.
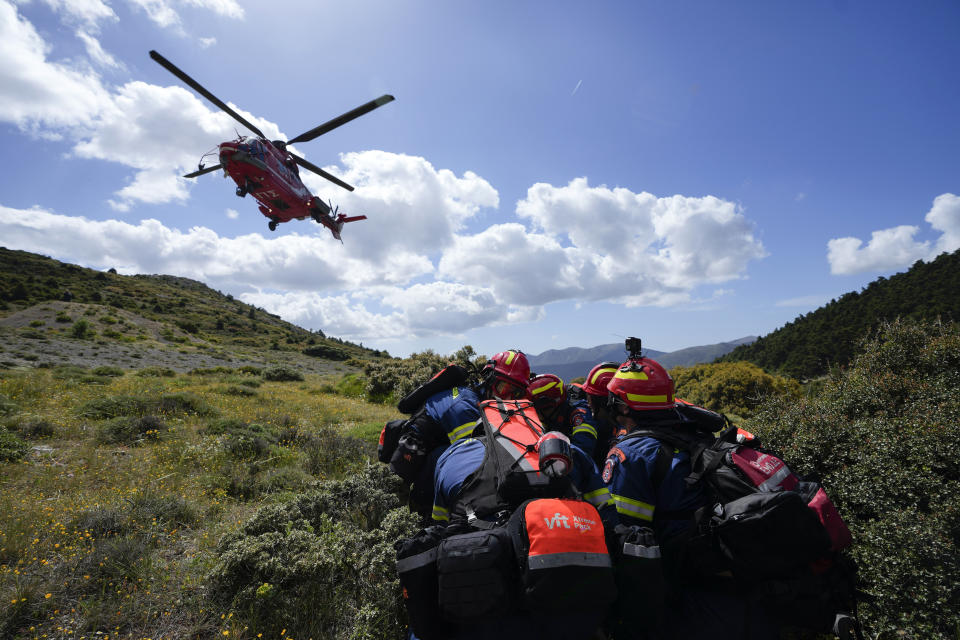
462,431
634,508
415,562
573,558
599,498
439,513
640,551
585,427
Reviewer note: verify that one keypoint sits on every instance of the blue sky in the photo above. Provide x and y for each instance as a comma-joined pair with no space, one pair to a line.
551,174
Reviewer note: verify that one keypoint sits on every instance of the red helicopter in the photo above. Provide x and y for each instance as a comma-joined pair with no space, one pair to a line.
268,171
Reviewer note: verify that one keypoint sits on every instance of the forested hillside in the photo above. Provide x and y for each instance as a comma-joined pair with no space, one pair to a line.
811,344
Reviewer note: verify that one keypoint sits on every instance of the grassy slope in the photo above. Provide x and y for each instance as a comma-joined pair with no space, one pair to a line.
117,537
166,320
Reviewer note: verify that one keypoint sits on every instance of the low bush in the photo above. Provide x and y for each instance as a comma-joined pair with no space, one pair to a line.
329,453
35,428
156,372
282,374
107,371
328,351
320,565
242,441
148,507
883,437
390,380
11,446
7,406
82,330
130,430
352,385
730,387
236,390
101,522
104,407
184,403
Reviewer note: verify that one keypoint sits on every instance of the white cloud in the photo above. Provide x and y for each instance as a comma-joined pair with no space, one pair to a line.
410,205
897,247
39,95
291,262
160,12
596,243
95,51
945,218
164,14
89,13
233,214
228,8
206,43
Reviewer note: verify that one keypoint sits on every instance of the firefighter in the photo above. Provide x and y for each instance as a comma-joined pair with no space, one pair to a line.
563,412
464,457
450,416
646,481
594,390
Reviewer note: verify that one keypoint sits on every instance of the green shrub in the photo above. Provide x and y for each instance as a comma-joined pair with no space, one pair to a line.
250,370
328,351
7,406
320,565
200,371
352,385
114,407
235,390
282,374
147,507
11,446
240,440
185,403
81,330
69,371
35,428
329,453
101,522
107,371
390,380
130,430
883,437
730,387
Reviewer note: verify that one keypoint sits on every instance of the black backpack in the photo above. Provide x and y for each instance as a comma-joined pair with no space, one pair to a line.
777,534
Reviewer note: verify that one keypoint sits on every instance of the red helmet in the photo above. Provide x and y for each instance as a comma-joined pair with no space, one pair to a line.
642,385
599,376
547,389
509,369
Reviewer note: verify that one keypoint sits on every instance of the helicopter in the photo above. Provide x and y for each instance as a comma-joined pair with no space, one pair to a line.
268,171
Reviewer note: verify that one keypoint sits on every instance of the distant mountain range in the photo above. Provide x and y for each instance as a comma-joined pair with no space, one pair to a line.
575,362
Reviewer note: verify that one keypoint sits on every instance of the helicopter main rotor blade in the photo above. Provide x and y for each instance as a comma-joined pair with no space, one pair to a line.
320,172
196,86
203,171
341,120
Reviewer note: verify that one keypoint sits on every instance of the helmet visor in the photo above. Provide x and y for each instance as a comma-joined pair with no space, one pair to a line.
507,390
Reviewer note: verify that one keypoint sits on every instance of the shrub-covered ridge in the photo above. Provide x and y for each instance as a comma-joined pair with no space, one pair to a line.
884,438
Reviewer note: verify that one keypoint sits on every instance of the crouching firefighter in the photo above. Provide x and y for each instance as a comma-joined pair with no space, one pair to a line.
443,411
520,544
568,413
748,546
